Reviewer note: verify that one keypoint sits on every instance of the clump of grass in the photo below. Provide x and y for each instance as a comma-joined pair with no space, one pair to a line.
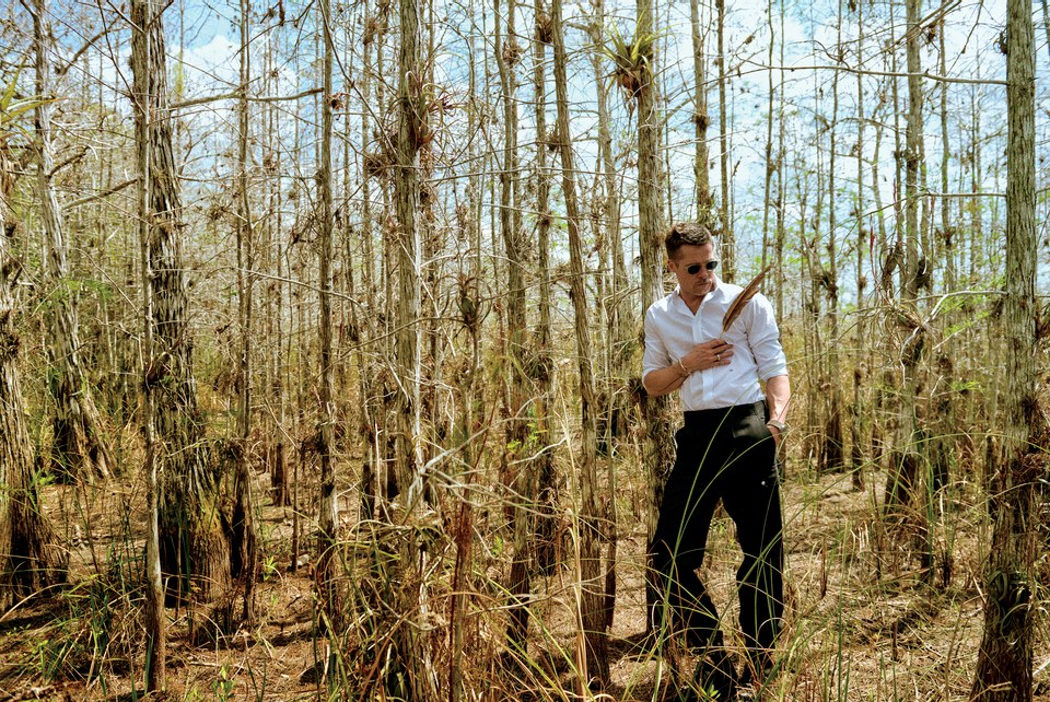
93,633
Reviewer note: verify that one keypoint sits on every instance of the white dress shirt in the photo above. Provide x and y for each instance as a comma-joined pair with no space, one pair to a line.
672,330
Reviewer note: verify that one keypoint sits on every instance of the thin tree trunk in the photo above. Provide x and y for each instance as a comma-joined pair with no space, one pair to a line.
770,166
833,449
547,488
155,620
701,119
619,335
79,448
275,291
858,414
593,664
518,478
728,243
904,473
328,508
656,411
976,178
244,557
781,168
193,549
370,385
947,228
412,135
1004,664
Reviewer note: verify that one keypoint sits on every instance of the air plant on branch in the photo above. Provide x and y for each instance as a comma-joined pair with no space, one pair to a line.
632,58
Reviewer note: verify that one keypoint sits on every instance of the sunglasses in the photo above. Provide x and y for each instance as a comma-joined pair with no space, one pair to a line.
694,268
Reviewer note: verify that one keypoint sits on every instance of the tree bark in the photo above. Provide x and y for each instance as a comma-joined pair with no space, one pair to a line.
903,479
328,516
519,473
701,120
656,411
619,335
833,449
770,165
728,244
79,448
1004,665
244,556
411,136
858,415
193,549
543,367
594,663
29,562
153,613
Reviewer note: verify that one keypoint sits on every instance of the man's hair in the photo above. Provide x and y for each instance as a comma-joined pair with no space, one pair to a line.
687,234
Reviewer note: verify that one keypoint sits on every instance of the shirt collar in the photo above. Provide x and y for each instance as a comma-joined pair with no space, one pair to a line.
717,294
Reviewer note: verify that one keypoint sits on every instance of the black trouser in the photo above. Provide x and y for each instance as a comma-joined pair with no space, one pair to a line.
728,455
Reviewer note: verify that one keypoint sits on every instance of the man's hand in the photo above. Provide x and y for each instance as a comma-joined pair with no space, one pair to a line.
709,354
778,395
778,437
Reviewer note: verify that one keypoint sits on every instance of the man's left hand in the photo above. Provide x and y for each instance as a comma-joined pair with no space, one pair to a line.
778,437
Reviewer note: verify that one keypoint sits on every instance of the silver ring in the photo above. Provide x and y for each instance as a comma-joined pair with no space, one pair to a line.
718,357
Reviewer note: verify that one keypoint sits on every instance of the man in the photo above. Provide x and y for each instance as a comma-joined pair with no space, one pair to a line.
726,451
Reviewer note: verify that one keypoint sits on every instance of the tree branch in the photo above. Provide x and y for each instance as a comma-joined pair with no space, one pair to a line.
236,94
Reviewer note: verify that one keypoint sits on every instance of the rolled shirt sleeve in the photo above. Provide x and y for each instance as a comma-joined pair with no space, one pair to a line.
764,338
656,355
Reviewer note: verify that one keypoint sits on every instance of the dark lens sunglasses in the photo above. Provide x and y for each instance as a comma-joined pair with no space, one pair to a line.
694,268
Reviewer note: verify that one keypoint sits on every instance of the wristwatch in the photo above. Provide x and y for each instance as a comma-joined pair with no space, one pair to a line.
778,425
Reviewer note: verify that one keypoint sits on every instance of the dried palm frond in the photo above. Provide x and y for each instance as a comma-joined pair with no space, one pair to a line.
742,299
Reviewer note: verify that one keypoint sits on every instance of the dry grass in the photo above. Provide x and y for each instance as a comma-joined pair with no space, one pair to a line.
861,623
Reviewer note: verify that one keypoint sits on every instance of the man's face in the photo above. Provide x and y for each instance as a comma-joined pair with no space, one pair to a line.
693,267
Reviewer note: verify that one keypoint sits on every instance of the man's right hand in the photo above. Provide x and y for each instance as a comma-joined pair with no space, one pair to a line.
716,352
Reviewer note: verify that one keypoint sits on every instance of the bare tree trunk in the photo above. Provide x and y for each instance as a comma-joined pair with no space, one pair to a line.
594,663
701,119
507,54
947,227
369,382
1004,665
412,134
976,176
547,488
29,562
728,243
620,335
833,449
904,474
328,508
659,444
781,166
275,307
193,550
244,557
153,614
770,165
79,448
858,414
